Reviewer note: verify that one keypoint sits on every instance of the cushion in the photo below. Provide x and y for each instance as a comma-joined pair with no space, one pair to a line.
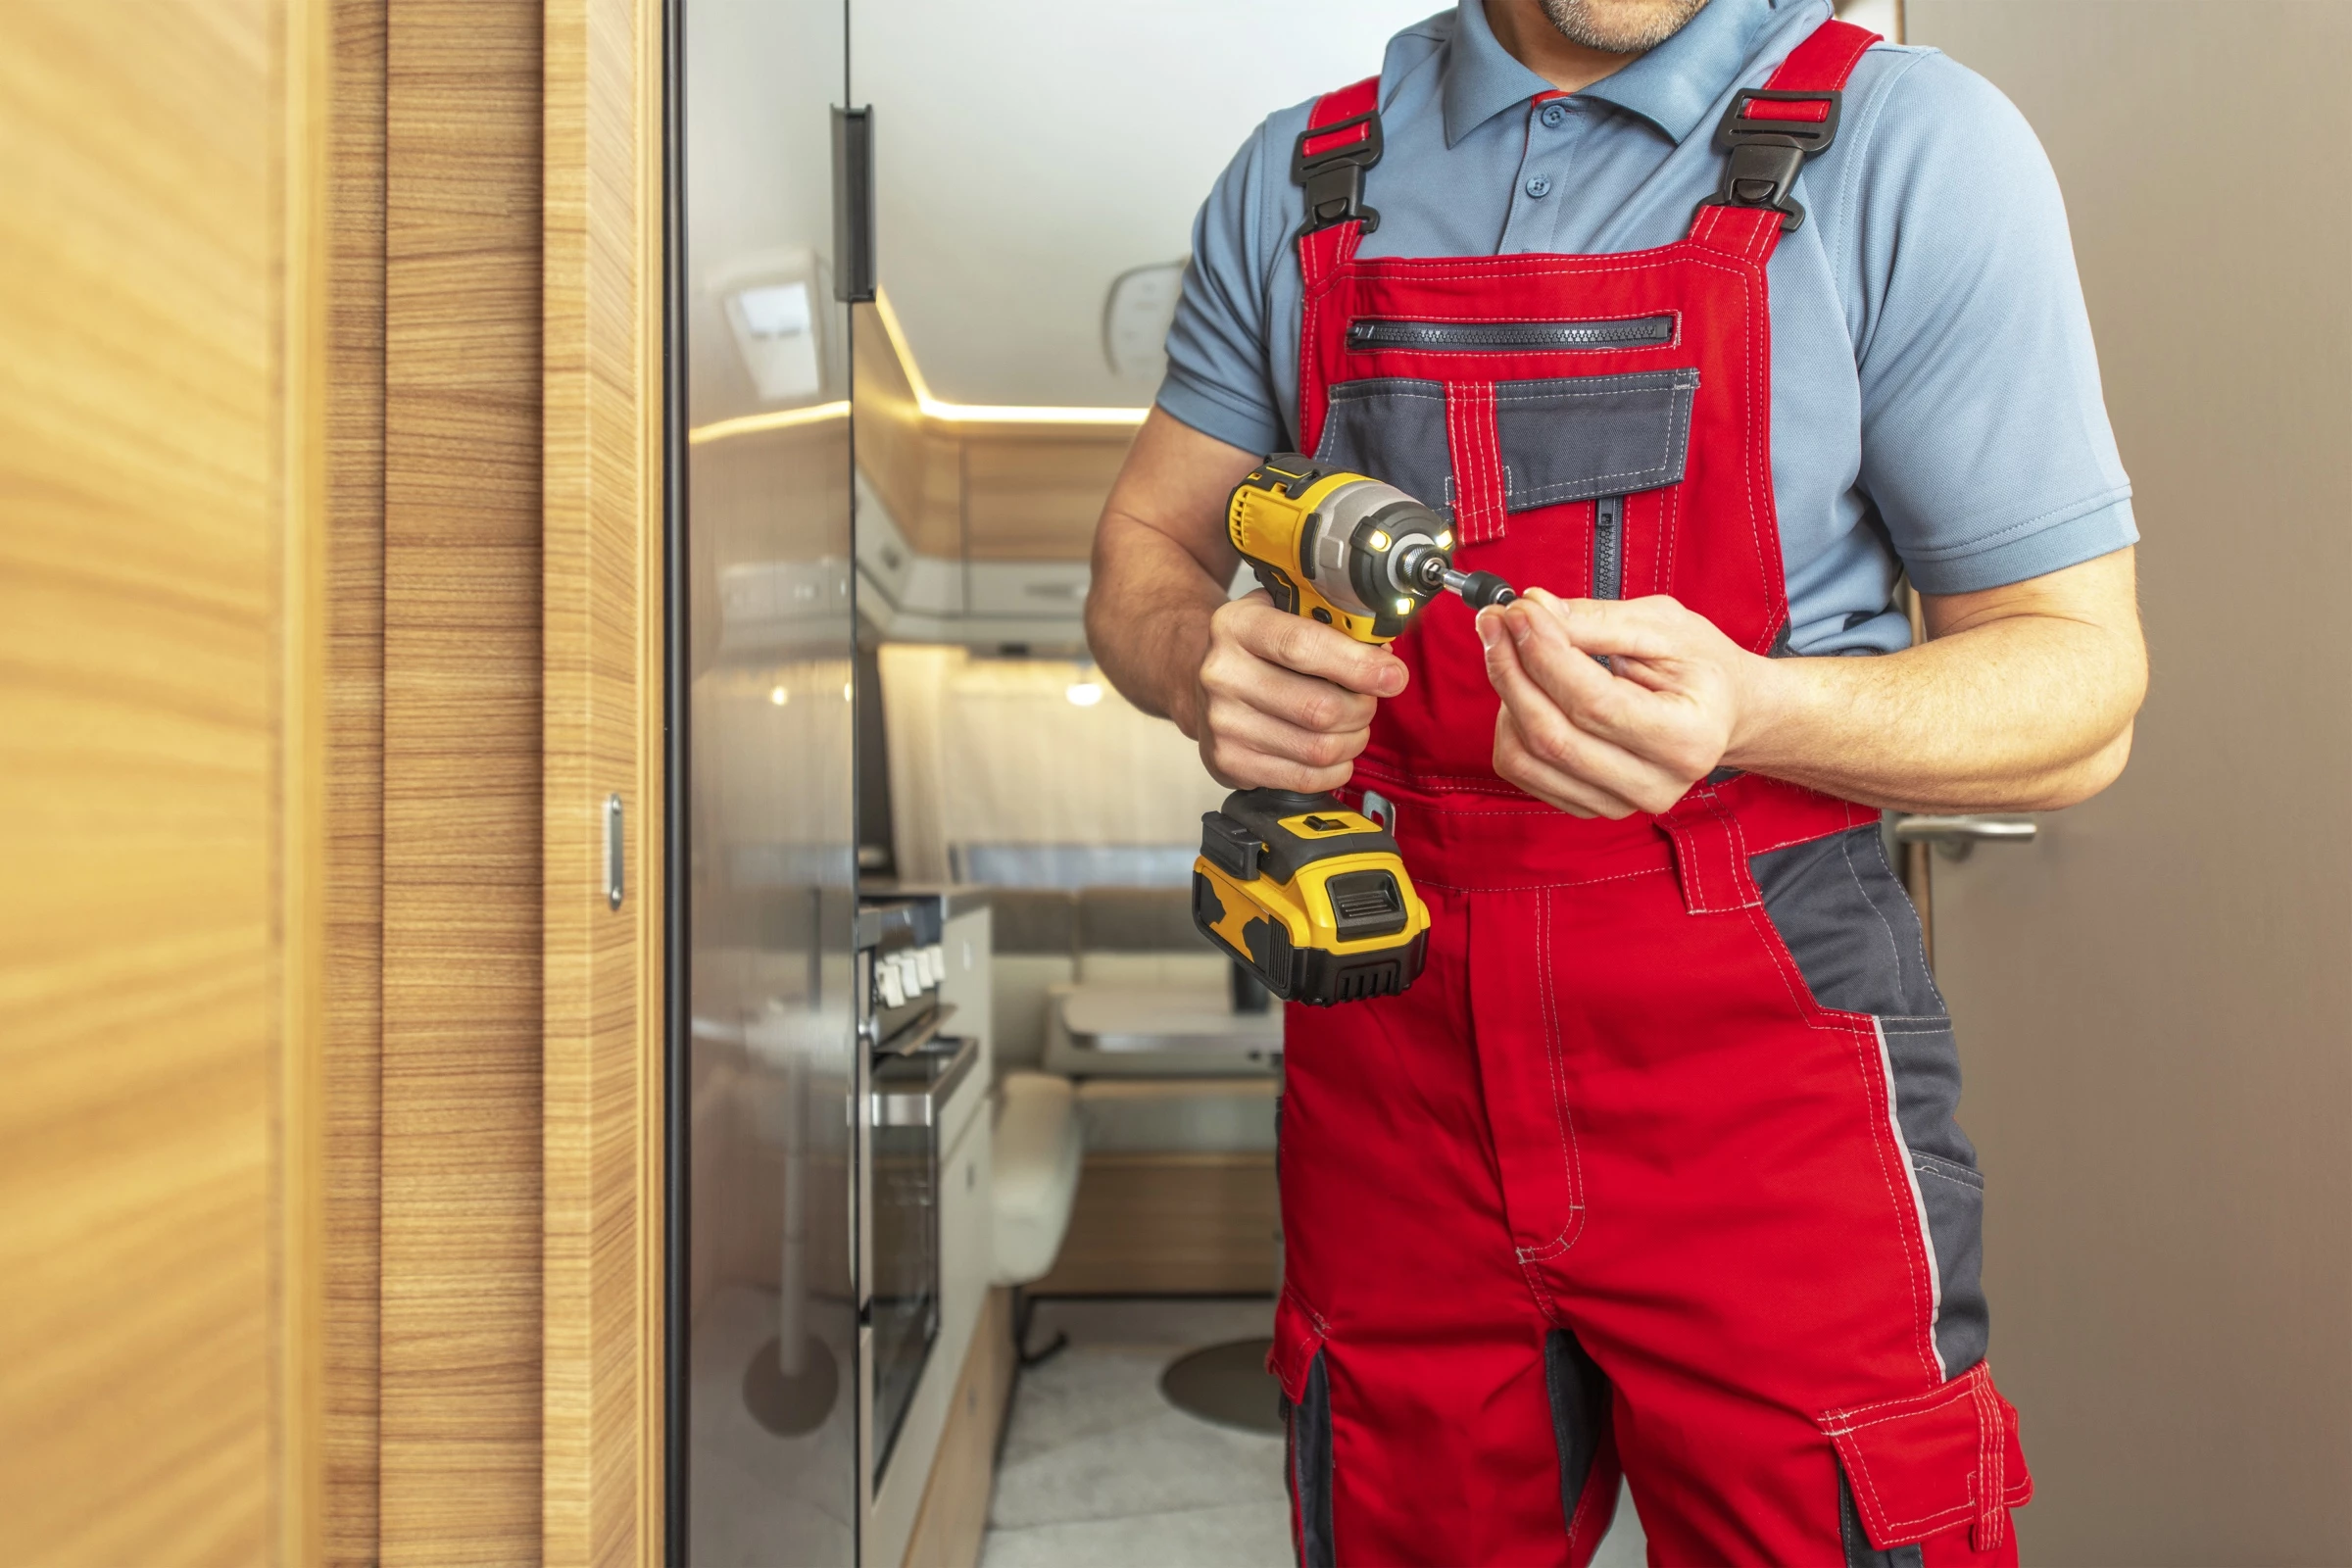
1036,1172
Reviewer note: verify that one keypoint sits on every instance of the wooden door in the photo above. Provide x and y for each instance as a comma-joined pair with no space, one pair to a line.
159,356
2154,1000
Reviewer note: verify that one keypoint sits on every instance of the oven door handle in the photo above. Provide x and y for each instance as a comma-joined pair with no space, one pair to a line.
921,1108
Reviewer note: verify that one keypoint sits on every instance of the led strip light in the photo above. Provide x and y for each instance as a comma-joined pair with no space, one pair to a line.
930,406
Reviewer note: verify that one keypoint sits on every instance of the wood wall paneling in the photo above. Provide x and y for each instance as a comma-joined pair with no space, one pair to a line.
602,393
355,746
462,941
953,1517
978,489
304,625
909,466
157,780
1032,496
285,752
1171,1224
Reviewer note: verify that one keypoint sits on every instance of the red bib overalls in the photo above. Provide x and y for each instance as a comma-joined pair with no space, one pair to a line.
1655,1170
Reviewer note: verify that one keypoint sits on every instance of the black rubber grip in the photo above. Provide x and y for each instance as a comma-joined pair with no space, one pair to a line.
1484,588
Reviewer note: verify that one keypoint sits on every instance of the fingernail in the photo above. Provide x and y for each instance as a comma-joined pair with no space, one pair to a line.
1520,629
1487,630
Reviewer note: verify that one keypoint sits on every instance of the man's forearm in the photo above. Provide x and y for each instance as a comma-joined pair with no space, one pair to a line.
2022,699
2025,713
1147,617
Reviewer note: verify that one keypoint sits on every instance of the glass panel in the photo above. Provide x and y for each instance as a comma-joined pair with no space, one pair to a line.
764,1277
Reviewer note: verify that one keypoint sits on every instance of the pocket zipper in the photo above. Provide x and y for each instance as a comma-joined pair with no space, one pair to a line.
1509,337
1608,548
1608,556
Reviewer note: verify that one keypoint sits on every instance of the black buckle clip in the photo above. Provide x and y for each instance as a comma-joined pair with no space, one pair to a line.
1764,155
1335,179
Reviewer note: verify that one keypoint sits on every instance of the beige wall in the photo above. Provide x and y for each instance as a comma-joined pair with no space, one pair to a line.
2155,1002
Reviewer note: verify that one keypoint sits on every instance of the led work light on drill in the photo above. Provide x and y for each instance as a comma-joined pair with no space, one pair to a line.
1313,898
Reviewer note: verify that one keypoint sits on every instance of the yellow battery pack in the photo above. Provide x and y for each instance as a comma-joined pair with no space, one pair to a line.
1310,897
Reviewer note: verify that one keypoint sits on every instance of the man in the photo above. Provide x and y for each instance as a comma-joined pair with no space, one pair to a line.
1655,1170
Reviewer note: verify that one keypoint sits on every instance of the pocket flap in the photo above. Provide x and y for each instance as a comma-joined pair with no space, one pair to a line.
1298,1335
1575,438
1925,1464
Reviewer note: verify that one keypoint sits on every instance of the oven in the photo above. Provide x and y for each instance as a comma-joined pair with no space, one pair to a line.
911,1066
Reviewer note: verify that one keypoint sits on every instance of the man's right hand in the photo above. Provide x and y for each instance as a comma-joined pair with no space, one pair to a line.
1286,702
1275,700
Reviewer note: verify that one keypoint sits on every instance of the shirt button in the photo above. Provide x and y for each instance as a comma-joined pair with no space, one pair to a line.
1539,186
1554,116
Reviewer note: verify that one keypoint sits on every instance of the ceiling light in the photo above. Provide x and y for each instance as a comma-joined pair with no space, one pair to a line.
778,696
1084,693
782,419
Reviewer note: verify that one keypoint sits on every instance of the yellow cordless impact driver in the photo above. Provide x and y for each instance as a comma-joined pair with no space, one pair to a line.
1311,897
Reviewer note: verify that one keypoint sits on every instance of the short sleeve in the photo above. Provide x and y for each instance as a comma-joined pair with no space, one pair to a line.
1985,446
1219,377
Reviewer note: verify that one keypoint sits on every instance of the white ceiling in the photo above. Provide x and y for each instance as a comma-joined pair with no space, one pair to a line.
1030,153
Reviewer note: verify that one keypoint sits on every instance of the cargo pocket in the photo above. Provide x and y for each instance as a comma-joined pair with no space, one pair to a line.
1944,1460
1296,1362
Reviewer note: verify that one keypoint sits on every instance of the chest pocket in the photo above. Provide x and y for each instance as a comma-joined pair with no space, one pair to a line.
1484,449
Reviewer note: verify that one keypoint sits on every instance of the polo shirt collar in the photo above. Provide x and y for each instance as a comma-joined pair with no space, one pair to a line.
1673,86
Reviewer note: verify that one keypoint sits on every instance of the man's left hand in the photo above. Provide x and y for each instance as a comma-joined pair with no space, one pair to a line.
1631,736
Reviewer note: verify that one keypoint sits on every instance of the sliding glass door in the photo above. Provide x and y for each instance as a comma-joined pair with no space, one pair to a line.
761,1377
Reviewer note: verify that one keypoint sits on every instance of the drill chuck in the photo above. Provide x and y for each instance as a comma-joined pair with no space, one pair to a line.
1428,569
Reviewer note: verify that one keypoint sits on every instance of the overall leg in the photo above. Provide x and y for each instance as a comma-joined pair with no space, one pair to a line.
1424,1378
1748,1253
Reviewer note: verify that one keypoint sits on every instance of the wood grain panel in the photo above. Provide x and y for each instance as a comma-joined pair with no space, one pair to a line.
995,491
1170,1224
305,77
460,1411
355,716
602,1063
953,1515
1036,497
156,762
913,463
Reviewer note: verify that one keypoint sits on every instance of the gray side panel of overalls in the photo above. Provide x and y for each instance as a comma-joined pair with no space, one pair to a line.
1848,923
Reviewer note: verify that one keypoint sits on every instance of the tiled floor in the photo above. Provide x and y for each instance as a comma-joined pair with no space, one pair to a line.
1099,1471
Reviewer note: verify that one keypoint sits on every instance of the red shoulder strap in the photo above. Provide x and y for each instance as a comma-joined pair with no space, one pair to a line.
1820,64
1766,134
1354,99
1340,141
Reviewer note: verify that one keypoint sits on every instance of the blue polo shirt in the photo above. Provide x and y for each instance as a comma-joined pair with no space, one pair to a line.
1935,400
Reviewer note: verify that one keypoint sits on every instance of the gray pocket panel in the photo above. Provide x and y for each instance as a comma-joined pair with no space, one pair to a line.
1310,1468
1927,1096
1845,919
1847,922
1580,1414
1577,437
1392,428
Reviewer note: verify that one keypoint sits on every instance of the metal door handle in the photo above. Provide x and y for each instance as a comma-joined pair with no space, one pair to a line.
1955,836
920,1105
